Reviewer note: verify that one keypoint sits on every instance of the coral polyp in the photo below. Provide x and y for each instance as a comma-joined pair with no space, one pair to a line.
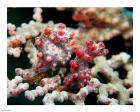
67,64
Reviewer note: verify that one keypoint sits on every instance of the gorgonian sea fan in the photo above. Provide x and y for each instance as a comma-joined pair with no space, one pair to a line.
70,63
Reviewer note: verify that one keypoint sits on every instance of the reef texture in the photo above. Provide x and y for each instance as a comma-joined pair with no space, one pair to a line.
68,63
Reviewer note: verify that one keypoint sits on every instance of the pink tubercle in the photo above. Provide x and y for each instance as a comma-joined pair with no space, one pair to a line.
48,59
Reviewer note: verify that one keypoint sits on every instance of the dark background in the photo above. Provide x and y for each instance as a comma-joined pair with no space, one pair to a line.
21,15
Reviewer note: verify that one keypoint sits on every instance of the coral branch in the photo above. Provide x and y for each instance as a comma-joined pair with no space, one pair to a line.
70,64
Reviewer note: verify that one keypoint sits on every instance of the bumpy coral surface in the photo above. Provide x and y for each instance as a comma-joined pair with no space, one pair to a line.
71,64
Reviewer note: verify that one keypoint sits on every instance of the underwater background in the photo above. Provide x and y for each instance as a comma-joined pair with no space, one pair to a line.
24,15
